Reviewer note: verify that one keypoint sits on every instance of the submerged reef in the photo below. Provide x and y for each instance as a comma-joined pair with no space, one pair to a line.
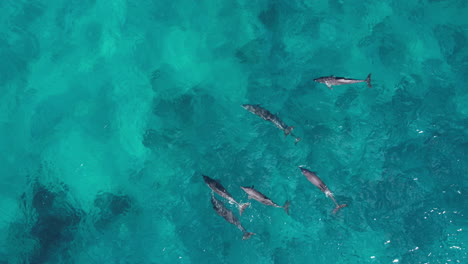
56,223
110,207
48,224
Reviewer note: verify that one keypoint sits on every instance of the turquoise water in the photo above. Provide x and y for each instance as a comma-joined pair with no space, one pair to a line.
112,110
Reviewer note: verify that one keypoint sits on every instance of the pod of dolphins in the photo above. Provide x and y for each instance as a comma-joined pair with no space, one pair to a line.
252,193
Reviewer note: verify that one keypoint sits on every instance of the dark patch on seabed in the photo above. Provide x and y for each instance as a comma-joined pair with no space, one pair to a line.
50,222
110,206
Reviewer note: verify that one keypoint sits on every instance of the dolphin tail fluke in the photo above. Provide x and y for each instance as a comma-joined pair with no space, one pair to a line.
247,235
242,207
297,140
286,207
288,130
338,208
368,81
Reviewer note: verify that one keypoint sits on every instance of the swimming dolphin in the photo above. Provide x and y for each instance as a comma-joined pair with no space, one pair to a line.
229,216
268,116
256,195
219,189
315,180
333,80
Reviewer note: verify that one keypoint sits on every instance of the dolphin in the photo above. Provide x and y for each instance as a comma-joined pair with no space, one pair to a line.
256,195
268,116
333,80
221,191
315,180
229,216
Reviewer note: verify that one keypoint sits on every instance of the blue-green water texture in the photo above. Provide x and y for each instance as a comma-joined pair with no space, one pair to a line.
111,112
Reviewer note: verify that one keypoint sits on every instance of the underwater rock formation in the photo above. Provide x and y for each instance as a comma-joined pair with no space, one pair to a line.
110,207
56,221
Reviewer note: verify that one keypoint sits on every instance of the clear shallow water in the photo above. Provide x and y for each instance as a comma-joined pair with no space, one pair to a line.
112,110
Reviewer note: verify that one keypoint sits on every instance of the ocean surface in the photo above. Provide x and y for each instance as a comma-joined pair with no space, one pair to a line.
111,112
